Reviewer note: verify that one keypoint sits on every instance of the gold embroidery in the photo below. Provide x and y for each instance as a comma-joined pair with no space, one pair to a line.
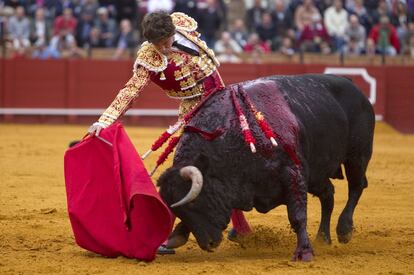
182,73
187,105
126,96
189,93
177,59
183,22
150,58
187,83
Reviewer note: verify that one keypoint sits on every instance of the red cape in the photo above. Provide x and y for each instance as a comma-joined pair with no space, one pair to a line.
113,205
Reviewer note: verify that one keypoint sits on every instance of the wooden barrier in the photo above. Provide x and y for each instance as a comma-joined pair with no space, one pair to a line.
77,91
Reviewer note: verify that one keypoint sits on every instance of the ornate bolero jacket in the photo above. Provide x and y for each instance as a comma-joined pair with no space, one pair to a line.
179,74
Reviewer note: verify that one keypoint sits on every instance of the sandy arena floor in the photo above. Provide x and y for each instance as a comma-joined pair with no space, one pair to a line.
36,236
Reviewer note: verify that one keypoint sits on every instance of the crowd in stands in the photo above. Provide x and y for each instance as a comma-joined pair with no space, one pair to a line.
67,28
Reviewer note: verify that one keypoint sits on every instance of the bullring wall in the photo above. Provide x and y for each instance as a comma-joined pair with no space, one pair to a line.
77,91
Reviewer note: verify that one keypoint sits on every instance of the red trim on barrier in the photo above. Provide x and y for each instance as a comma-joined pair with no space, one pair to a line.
94,83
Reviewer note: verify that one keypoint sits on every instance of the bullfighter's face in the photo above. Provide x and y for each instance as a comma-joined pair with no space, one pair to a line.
206,215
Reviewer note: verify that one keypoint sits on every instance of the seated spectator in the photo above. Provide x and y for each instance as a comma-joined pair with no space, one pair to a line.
400,19
94,39
336,21
88,7
409,49
405,41
371,48
360,11
40,28
19,30
41,51
255,45
282,18
125,40
209,23
385,37
107,27
238,32
287,46
254,15
352,48
314,37
226,42
84,27
304,14
355,32
266,30
228,56
65,44
65,22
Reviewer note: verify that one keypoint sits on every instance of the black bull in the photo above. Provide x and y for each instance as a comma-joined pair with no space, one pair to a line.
324,119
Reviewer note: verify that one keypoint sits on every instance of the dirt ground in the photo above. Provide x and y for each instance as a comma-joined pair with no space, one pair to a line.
36,236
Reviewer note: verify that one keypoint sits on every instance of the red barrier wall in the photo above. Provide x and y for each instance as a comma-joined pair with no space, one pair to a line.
94,83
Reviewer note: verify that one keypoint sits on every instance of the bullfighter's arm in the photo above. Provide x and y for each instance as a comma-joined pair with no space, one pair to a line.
125,97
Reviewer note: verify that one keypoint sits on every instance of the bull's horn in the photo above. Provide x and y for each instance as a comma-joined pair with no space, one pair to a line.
191,172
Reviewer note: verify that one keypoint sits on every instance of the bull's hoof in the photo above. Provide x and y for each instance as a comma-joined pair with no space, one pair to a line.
345,238
178,237
322,238
233,236
303,254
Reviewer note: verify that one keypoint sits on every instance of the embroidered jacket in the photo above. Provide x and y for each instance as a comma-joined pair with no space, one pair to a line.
180,74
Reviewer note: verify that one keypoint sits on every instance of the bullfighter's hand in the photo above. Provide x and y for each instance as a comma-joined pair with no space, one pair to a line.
95,129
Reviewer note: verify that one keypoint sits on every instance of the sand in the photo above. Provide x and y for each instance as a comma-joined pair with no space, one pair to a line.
36,236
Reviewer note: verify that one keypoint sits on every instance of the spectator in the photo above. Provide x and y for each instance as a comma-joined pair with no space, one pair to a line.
266,30
239,33
314,37
40,28
160,5
188,7
255,45
41,51
228,56
89,7
209,23
107,27
304,14
226,42
336,21
399,19
94,39
406,39
84,28
254,15
352,48
287,46
19,30
385,37
370,48
65,22
409,49
62,42
127,9
125,40
360,11
355,32
282,18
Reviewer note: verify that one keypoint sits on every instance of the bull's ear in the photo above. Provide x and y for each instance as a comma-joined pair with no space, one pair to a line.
202,162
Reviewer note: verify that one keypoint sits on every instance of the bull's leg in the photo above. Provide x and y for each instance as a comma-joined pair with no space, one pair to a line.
326,199
297,207
357,181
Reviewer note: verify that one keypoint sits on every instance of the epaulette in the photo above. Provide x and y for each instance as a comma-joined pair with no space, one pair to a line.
184,22
150,58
